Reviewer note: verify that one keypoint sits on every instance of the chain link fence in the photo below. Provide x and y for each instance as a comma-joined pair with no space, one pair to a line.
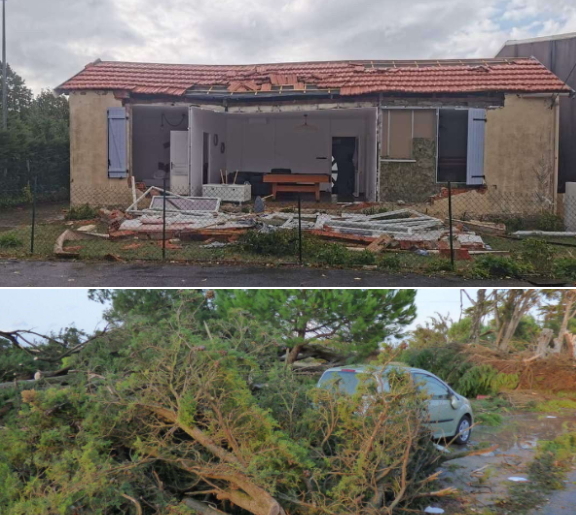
263,223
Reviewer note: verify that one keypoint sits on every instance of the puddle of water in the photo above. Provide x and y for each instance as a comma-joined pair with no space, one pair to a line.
522,431
14,217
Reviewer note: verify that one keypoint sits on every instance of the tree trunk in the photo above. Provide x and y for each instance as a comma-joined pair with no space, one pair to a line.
568,299
477,315
544,338
515,304
293,354
298,345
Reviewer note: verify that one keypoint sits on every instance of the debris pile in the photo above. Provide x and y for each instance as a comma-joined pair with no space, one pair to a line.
199,218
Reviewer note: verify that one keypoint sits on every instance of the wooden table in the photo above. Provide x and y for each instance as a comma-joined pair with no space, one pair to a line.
297,183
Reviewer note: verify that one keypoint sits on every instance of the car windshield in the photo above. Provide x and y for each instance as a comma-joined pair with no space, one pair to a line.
345,381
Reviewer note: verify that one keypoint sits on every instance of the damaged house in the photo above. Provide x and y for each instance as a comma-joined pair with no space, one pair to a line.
391,130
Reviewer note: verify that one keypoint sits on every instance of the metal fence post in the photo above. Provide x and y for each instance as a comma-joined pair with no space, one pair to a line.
34,193
450,223
164,180
299,229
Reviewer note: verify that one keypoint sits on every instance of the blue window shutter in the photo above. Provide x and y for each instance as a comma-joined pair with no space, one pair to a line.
476,136
117,167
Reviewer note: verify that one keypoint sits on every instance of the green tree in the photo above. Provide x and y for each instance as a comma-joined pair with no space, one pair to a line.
351,320
19,96
36,143
149,303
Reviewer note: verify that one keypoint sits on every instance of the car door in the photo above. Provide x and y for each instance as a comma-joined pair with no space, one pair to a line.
439,407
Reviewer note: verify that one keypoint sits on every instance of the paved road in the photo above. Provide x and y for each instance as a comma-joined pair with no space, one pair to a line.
15,273
562,502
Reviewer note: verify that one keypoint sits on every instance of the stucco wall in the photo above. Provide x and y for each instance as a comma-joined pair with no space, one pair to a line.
89,183
520,164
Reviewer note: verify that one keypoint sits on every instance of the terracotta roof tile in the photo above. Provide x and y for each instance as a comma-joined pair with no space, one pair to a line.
344,77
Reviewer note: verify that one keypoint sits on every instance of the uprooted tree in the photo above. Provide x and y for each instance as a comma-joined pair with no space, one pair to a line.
189,414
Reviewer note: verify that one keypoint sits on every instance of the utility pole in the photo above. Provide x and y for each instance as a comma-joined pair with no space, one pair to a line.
4,71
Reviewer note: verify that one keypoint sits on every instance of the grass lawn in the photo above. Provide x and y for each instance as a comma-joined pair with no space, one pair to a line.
15,243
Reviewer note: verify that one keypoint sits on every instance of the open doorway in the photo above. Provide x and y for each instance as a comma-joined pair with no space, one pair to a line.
344,167
452,145
152,129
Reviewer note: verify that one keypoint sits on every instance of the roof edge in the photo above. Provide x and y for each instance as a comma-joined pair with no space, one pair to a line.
556,37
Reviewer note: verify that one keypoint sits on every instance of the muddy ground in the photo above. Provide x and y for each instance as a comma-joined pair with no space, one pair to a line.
506,450
22,216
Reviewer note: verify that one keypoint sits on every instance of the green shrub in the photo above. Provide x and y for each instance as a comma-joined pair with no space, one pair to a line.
452,366
497,266
439,265
9,240
84,212
550,222
538,254
389,261
504,381
565,268
285,243
273,243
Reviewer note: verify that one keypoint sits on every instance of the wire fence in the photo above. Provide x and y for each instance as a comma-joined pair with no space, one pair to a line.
292,224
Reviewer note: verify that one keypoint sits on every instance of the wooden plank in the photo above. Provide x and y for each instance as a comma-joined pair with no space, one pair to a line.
384,240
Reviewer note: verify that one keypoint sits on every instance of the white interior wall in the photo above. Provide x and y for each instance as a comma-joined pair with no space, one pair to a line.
149,137
259,143
202,121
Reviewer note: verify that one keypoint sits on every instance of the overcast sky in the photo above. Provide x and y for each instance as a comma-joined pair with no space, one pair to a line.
51,40
45,310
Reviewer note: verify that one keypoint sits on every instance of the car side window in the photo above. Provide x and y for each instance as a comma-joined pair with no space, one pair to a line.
431,386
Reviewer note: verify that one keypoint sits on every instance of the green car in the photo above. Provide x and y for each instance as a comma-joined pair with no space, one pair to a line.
450,414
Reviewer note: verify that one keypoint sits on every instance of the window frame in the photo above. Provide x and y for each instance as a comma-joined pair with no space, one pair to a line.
449,391
388,109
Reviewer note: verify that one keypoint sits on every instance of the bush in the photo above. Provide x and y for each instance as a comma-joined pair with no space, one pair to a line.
565,268
497,266
439,265
273,243
538,254
452,366
389,261
9,240
285,243
84,212
550,222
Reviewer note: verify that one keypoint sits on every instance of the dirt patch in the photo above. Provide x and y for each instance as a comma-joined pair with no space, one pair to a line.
19,216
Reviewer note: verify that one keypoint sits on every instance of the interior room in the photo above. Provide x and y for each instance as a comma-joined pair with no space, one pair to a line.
223,147
151,127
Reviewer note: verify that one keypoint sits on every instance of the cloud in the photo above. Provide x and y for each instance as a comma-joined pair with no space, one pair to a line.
51,41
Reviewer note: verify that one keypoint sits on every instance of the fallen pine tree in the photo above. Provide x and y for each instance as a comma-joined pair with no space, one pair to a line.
191,416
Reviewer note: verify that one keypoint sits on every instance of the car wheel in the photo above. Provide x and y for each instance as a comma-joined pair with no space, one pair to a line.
463,431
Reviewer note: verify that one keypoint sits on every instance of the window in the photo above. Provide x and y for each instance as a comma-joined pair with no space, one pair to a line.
452,145
401,126
431,386
346,382
461,145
